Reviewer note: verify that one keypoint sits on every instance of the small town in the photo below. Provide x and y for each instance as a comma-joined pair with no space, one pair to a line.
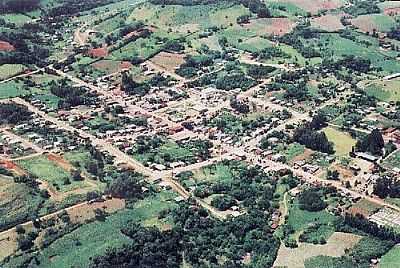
200,133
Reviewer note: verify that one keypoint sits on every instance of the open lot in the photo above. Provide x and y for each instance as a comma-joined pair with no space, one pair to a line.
51,172
329,22
168,61
314,6
342,141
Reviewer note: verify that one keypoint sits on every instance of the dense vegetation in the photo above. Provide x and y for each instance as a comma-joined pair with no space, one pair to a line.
308,135
18,5
194,228
13,114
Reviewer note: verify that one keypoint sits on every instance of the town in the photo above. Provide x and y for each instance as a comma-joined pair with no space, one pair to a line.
199,133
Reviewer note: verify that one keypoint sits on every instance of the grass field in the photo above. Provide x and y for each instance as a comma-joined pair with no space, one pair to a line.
393,160
385,90
391,259
174,151
293,150
342,141
12,89
335,247
300,220
142,47
17,202
18,19
9,70
47,170
216,172
97,236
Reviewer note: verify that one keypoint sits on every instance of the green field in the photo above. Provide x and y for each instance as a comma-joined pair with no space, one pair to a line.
9,70
393,160
391,259
18,202
18,19
142,47
301,220
294,150
47,170
94,238
342,141
384,90
12,89
333,44
171,149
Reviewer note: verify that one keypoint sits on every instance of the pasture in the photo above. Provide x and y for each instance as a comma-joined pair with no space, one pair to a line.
391,259
333,44
378,22
9,70
393,160
336,246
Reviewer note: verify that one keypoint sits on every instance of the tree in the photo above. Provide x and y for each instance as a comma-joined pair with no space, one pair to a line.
372,143
76,174
128,185
311,200
223,202
332,175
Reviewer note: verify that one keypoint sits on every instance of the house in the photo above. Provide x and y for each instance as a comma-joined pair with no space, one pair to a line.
367,157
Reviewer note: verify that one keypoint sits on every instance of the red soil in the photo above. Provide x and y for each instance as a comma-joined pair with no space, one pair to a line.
5,46
98,52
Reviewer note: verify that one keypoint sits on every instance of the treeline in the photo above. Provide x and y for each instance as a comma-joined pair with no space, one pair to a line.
361,223
141,89
295,37
255,6
71,7
17,6
363,7
372,143
387,187
149,247
11,113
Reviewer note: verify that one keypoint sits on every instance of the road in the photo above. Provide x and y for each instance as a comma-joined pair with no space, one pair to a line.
25,142
119,156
